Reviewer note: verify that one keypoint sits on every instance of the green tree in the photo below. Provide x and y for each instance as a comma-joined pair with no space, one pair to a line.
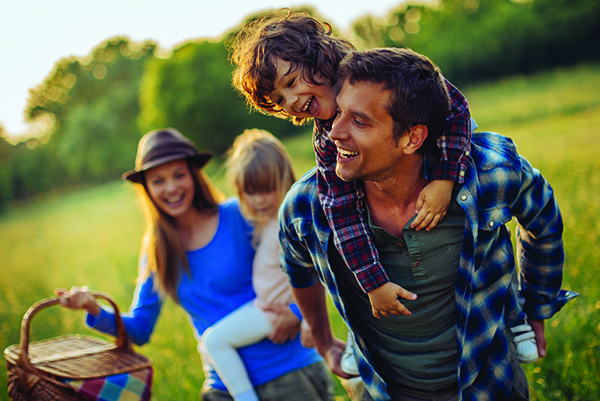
192,91
88,108
6,188
476,40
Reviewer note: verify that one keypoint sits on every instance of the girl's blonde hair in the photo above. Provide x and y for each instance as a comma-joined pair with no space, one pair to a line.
162,248
259,163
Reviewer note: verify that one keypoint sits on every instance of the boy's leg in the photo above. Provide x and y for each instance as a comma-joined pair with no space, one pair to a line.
354,386
246,325
520,390
517,321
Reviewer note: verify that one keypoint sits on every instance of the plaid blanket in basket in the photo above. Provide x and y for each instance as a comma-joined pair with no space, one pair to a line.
133,386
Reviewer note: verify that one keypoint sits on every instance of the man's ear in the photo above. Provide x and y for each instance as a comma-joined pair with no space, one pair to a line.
416,136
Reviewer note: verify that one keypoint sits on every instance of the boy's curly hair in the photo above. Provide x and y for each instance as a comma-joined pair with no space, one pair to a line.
295,37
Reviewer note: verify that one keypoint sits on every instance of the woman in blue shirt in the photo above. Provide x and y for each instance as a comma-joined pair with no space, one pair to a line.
198,251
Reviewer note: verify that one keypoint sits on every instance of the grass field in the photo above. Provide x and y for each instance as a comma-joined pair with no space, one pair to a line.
92,238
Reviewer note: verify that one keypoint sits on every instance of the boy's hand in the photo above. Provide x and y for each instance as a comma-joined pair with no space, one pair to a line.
384,300
432,204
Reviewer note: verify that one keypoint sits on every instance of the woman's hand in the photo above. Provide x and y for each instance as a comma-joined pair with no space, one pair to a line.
78,298
286,325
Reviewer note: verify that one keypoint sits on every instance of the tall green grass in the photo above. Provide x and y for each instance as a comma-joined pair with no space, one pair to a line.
92,238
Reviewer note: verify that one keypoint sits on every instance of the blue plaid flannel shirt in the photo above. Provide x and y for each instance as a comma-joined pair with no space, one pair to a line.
499,184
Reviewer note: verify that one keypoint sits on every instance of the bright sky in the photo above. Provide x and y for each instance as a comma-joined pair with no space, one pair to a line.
35,34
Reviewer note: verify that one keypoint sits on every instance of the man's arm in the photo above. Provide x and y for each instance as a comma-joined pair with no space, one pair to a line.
540,248
312,304
540,251
300,251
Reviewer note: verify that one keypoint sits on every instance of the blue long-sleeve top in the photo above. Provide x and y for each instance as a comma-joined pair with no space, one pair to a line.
220,281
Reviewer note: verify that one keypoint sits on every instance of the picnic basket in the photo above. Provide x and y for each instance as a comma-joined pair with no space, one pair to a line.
74,367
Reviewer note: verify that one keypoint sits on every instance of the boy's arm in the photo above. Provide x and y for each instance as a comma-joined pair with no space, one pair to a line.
455,142
454,145
341,203
339,200
384,300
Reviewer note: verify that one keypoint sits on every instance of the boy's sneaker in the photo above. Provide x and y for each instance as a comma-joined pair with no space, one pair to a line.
527,351
355,385
348,362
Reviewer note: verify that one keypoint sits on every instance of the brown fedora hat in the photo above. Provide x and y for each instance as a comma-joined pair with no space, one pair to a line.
163,146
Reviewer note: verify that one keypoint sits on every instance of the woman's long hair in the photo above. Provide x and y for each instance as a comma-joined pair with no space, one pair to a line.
259,163
162,248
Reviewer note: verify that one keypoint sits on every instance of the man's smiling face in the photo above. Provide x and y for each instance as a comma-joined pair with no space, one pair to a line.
363,133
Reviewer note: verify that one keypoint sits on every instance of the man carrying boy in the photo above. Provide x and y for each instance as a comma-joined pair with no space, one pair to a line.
455,343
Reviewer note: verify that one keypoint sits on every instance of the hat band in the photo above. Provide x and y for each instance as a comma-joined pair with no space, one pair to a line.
173,149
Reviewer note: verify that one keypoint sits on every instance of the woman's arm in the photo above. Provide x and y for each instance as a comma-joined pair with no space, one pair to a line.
139,322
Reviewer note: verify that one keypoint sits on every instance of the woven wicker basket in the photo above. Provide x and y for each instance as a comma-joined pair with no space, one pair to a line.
36,370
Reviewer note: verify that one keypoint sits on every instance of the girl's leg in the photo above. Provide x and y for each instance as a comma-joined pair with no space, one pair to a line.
244,326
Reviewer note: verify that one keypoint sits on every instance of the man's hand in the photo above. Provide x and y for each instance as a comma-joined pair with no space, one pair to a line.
312,303
285,326
384,300
540,337
332,354
432,204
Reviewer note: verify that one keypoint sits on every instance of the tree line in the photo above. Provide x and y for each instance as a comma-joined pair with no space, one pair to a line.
91,111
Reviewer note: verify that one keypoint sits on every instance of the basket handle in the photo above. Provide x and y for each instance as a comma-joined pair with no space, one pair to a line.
122,340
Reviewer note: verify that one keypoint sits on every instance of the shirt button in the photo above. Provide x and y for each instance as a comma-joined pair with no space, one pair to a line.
491,224
378,231
467,153
462,173
417,264
463,197
399,244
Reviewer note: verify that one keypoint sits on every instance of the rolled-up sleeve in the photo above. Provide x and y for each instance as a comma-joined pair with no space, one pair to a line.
540,249
295,255
297,234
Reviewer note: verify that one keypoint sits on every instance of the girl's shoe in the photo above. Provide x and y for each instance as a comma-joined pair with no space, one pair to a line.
527,351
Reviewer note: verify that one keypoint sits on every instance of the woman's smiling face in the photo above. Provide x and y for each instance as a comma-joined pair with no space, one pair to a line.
171,187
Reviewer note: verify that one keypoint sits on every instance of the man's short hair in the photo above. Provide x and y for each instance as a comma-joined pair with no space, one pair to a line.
418,91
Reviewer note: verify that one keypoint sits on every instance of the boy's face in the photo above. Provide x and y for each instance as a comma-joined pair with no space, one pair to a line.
300,98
